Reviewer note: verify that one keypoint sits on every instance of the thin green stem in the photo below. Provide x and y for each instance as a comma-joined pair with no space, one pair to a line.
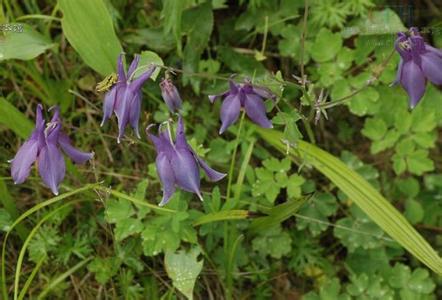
228,206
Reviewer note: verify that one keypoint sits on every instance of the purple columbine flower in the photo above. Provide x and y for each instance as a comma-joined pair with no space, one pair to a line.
124,98
177,164
419,62
170,95
246,96
43,147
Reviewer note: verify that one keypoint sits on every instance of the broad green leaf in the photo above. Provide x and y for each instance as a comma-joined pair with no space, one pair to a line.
327,45
23,45
198,26
88,27
380,22
104,268
147,58
374,129
183,268
363,194
279,240
15,120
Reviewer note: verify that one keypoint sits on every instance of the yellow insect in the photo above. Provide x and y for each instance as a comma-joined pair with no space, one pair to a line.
107,83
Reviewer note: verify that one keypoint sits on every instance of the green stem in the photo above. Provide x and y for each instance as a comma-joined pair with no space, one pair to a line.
233,161
228,206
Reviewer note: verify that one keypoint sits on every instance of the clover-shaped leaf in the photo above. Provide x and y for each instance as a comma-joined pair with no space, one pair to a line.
273,242
315,213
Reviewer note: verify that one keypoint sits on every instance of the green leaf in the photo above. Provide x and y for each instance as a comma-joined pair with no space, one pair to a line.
147,58
423,121
327,45
183,268
198,25
387,142
380,22
5,220
365,102
358,231
280,241
118,210
364,195
418,162
23,45
319,208
127,227
88,27
221,216
104,268
374,129
277,214
414,211
15,120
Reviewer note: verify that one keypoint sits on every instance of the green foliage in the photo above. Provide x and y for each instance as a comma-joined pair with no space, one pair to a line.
24,45
275,227
319,208
183,268
96,42
273,177
280,241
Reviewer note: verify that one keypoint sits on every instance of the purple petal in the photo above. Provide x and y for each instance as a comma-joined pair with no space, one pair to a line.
185,168
398,73
133,66
263,92
122,110
432,67
180,139
120,69
256,110
170,95
134,114
413,81
234,88
56,115
109,104
23,160
229,111
212,174
167,177
433,50
51,166
77,156
137,83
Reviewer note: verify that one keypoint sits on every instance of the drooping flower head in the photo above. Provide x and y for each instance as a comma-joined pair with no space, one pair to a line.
177,164
124,98
170,95
243,96
44,147
418,62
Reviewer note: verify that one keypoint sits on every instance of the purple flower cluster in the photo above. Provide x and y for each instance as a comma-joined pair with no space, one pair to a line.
245,96
44,148
419,62
124,99
177,164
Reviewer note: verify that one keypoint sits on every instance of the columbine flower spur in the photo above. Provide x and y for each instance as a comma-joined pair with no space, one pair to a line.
419,62
177,164
43,147
124,98
246,96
